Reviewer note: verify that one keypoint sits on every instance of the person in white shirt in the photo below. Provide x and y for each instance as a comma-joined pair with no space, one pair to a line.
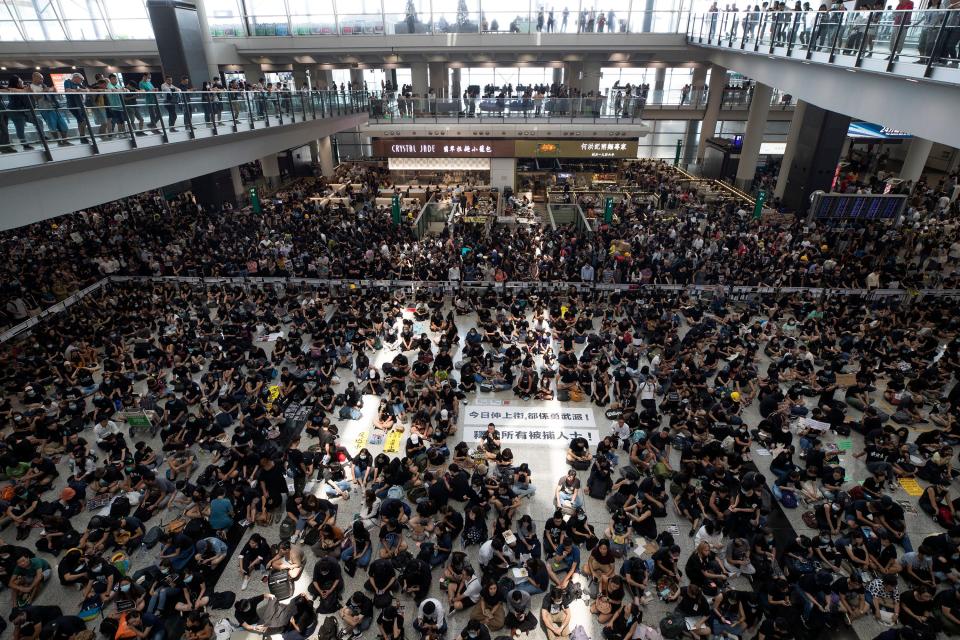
622,431
711,534
431,617
586,272
170,91
105,429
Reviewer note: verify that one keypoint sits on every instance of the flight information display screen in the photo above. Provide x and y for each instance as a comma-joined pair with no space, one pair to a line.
858,207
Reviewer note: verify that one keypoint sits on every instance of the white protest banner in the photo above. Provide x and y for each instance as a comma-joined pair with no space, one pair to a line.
531,425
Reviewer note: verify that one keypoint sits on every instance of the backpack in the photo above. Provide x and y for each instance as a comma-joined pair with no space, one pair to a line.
120,507
152,537
329,630
579,633
672,626
788,499
222,600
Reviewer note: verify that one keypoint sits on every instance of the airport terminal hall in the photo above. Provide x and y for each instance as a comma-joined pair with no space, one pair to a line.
479,320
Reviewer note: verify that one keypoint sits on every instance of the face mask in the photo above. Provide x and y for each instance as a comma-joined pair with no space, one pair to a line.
165,570
473,634
188,580
97,568
124,588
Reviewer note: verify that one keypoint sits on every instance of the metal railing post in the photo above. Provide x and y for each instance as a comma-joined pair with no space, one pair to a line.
163,125
863,40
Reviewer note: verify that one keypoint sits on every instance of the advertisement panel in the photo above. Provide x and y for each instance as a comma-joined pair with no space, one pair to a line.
576,148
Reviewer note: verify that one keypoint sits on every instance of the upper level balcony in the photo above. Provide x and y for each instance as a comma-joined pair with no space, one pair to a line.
918,45
38,128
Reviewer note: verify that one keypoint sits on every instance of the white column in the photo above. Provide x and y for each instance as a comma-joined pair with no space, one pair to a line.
299,76
418,74
756,126
439,79
271,169
325,153
237,182
916,159
659,82
698,85
718,81
502,172
207,40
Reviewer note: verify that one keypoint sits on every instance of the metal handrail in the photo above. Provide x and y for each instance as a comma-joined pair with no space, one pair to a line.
930,37
96,122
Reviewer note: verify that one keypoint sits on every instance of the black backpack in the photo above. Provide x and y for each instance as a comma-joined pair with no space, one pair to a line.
329,630
222,600
120,507
152,537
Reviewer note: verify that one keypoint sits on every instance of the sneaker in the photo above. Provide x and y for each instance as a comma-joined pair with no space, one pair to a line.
246,581
27,147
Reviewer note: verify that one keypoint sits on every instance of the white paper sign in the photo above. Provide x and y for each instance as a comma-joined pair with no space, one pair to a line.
530,425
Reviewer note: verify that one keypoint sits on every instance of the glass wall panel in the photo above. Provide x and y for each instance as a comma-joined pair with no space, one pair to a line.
225,18
456,16
83,20
407,16
312,17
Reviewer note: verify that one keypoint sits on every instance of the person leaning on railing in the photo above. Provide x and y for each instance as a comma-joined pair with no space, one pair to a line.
18,110
75,103
170,91
49,107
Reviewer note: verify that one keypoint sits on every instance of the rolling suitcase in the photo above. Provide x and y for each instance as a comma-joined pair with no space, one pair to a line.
280,584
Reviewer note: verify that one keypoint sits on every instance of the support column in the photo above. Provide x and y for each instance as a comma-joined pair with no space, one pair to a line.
659,81
690,143
252,73
571,74
439,79
916,159
558,75
237,181
271,170
207,41
322,79
793,137
455,89
814,144
718,81
591,78
299,76
698,86
180,39
756,125
324,156
419,79
356,79
648,16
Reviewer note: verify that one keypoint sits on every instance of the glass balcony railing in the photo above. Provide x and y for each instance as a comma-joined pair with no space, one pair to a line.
614,107
47,127
908,42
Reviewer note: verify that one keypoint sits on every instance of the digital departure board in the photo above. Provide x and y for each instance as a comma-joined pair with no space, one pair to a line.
857,207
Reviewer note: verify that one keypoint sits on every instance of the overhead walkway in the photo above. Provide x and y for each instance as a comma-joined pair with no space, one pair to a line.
897,68
62,153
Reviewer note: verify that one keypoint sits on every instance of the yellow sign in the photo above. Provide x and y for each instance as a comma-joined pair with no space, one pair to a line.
361,440
911,487
475,219
392,445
